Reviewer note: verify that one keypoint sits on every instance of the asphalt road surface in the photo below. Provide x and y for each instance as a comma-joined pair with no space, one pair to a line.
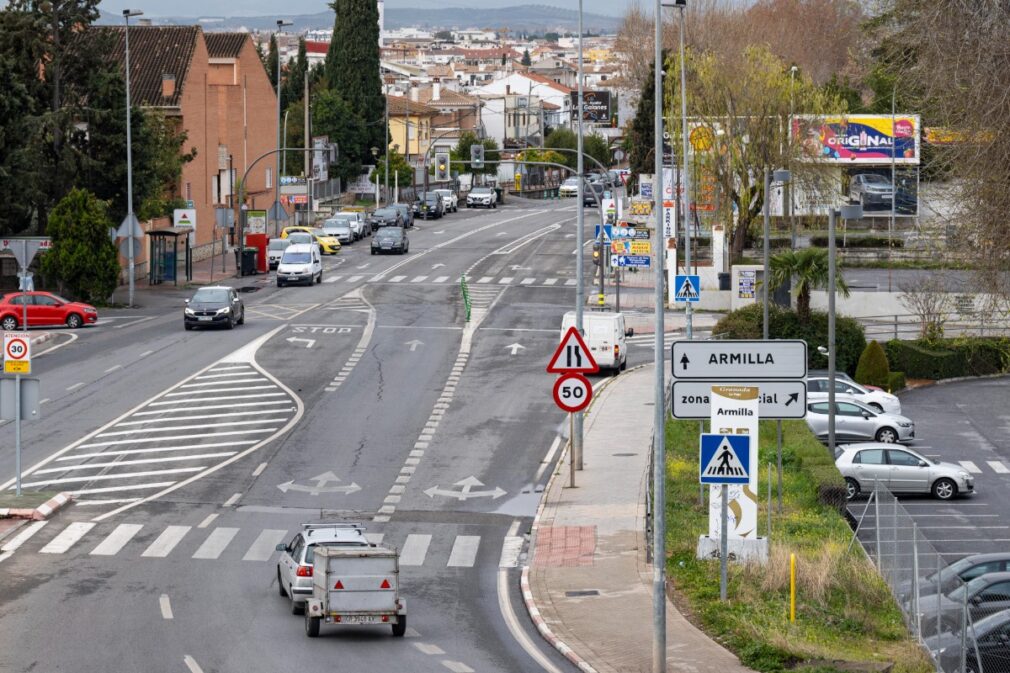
367,398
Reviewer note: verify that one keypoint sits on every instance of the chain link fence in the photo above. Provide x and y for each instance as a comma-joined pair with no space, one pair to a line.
964,625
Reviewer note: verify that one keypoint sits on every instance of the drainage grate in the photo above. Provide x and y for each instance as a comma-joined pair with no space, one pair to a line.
579,594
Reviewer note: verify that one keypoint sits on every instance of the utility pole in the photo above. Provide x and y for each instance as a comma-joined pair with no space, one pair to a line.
277,177
659,402
689,307
131,218
580,298
385,140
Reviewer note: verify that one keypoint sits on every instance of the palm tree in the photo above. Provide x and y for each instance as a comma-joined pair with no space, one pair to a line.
809,268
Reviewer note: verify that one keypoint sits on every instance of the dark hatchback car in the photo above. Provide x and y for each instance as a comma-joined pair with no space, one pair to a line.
406,213
988,646
214,307
429,205
592,194
386,217
390,239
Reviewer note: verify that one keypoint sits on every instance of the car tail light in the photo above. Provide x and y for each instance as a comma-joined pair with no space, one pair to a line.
617,351
304,571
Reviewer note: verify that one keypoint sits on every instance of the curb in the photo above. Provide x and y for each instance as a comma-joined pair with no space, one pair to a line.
958,379
41,338
40,513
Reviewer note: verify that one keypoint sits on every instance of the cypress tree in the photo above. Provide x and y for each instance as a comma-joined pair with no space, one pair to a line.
352,66
271,62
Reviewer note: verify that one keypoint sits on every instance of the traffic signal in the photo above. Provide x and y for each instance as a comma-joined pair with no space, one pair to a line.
596,253
476,156
441,166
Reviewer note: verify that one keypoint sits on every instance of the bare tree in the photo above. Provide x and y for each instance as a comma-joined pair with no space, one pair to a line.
927,298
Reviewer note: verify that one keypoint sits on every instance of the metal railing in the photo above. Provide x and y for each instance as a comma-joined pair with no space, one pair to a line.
940,609
908,327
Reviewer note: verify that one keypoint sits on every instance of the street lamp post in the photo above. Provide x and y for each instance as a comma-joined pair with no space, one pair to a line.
131,241
781,177
375,157
580,222
848,212
789,192
277,178
385,143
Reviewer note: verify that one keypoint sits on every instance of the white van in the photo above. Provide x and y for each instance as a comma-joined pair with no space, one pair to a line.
300,263
605,335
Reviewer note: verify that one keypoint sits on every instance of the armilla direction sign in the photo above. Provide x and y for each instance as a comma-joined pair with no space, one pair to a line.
739,360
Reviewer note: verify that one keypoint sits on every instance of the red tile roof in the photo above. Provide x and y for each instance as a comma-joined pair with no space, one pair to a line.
155,51
225,45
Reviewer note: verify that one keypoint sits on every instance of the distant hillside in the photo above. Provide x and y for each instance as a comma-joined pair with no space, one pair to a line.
523,18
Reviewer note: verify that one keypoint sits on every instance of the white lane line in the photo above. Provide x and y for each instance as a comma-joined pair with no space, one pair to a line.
570,281
191,664
202,407
396,279
259,469
511,547
145,354
527,281
199,403
464,551
107,477
200,417
550,281
103,501
15,542
113,489
485,279
230,367
246,371
546,462
201,426
173,438
75,386
215,543
45,400
456,666
67,538
162,449
166,542
428,648
211,391
441,279
332,279
144,461
263,547
418,279
220,383
354,279
970,466
113,368
415,548
507,280
166,607
117,539
232,500
998,467
514,627
208,521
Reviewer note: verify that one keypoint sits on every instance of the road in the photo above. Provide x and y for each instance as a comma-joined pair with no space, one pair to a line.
367,398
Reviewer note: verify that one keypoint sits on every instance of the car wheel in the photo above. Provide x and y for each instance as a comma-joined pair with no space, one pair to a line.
319,278
230,324
241,321
876,407
624,365
74,321
887,435
312,626
373,252
944,489
400,627
296,608
9,323
280,585
851,488
187,326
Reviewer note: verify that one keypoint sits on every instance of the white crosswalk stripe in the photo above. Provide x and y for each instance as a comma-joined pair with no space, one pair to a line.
527,281
441,279
263,547
970,466
166,542
67,537
332,279
485,280
998,467
464,551
415,548
215,543
117,539
551,281
418,279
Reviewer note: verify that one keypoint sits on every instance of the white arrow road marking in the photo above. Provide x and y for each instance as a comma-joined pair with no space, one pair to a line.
362,266
413,344
466,490
516,267
309,343
437,266
321,482
515,348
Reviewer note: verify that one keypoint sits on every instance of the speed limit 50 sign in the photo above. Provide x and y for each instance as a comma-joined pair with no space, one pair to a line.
17,353
573,392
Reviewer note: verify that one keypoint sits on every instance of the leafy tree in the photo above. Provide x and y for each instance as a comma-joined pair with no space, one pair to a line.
352,69
526,57
807,269
398,167
641,133
593,145
444,35
333,116
598,148
461,153
271,63
81,259
552,37
872,368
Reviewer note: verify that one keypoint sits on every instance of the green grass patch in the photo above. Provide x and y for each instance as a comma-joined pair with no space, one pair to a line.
844,611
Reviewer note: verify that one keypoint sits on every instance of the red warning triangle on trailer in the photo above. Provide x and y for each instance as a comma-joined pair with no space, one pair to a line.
572,355
338,585
384,585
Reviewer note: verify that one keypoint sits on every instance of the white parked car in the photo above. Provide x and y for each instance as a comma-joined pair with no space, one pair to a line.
850,391
276,248
901,470
450,202
482,197
569,188
857,423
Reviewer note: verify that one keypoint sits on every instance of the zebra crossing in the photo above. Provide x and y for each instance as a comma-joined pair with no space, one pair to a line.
200,424
228,543
997,466
434,279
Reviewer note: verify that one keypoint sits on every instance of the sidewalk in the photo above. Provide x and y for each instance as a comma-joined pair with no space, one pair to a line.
589,583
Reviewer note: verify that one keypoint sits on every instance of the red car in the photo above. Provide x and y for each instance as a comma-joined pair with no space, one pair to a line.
44,310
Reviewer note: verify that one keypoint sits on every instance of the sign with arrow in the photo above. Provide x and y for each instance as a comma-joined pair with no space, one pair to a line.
515,348
413,344
739,360
309,343
776,399
572,355
466,490
321,485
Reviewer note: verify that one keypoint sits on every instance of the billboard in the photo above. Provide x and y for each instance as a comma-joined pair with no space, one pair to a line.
858,139
595,106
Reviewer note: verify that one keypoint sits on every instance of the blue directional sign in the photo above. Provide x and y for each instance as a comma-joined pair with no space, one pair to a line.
633,260
725,459
608,233
687,288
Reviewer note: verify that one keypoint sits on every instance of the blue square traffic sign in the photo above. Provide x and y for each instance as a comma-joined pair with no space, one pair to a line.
687,288
725,459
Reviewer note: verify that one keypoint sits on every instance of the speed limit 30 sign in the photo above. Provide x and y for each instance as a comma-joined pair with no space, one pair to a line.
17,353
573,392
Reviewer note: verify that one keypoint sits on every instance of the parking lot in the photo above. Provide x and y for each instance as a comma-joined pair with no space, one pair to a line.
966,423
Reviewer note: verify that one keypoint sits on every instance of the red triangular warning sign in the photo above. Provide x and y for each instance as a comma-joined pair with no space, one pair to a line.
384,585
338,585
572,355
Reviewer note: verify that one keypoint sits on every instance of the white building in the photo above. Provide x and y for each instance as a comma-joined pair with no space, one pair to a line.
529,84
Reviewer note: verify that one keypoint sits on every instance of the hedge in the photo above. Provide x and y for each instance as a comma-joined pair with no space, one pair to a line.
950,358
858,242
895,381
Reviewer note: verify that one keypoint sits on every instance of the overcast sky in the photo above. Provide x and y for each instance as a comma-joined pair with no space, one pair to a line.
198,8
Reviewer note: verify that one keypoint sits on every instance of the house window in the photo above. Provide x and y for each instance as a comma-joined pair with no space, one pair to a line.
270,178
189,191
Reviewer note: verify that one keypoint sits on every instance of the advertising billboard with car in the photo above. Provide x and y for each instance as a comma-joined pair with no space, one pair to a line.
859,139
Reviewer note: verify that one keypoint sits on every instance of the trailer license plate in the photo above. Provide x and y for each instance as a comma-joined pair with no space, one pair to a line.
360,619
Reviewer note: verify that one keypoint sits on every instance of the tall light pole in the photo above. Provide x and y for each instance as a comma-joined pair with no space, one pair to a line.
847,212
782,177
277,178
385,141
792,221
131,218
894,186
659,444
580,297
688,308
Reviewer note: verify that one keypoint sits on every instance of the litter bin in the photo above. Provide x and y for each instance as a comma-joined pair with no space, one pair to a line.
501,194
248,265
724,281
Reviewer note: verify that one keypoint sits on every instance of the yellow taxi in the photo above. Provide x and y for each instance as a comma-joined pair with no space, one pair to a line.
329,245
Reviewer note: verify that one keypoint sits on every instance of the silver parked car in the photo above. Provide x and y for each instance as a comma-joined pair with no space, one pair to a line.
870,189
340,229
985,595
855,422
901,470
294,567
850,391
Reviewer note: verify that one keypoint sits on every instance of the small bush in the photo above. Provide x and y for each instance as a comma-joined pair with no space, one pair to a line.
895,381
872,368
950,358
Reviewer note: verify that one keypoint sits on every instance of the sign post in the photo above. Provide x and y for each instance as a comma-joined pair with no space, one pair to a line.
17,361
573,391
724,460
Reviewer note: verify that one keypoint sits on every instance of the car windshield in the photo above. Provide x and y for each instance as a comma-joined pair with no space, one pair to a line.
571,182
876,179
953,570
480,190
300,237
385,212
278,244
430,198
210,295
388,233
971,588
318,232
296,258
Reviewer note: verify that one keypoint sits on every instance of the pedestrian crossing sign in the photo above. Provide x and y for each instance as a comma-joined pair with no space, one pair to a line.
687,288
725,459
